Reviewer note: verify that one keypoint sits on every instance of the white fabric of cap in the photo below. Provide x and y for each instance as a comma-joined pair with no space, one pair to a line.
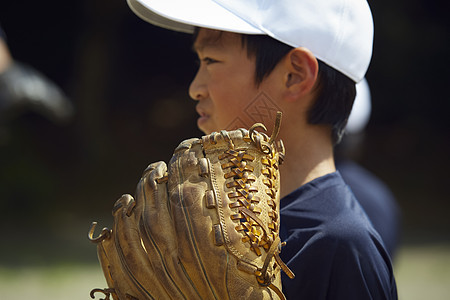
338,32
362,107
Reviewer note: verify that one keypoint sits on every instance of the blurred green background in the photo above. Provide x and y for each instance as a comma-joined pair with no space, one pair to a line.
128,82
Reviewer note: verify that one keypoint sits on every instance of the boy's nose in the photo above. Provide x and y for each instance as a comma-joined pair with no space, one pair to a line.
197,89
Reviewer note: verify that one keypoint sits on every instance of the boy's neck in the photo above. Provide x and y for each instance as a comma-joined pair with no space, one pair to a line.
308,156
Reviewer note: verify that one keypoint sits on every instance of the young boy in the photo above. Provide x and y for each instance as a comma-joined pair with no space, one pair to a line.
303,58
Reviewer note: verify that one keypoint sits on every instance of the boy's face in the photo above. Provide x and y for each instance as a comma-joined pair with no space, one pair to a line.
225,87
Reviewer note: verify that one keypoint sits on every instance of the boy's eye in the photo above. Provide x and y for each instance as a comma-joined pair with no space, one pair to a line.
206,61
209,60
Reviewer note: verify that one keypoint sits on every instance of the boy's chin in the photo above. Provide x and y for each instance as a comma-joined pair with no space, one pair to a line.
206,132
202,124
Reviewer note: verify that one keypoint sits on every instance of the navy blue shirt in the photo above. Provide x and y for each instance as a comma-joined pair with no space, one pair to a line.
332,247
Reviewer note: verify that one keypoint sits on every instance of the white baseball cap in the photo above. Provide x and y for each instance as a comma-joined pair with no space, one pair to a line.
338,32
362,107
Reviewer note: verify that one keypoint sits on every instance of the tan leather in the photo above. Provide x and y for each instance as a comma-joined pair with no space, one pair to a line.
205,226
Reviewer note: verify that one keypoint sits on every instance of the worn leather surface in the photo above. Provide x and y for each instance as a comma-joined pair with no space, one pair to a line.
204,226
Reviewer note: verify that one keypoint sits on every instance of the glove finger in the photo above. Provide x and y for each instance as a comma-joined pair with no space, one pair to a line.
160,238
188,183
133,257
111,265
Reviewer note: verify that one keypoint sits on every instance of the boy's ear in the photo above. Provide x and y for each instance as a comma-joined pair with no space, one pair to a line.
302,71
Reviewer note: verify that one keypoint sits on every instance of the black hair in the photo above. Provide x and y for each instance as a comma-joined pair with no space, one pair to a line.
336,92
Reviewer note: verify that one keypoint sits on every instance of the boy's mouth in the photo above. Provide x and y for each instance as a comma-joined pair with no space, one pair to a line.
203,117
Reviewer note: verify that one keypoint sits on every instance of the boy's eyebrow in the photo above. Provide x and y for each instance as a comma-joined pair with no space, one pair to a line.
200,46
195,48
212,41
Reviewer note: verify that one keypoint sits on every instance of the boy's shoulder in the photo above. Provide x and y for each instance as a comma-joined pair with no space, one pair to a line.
328,198
331,245
325,214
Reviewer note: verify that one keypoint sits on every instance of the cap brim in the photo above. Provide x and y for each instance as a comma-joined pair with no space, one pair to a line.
184,16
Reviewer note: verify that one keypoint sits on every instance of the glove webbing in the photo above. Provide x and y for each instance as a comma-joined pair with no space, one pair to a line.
241,172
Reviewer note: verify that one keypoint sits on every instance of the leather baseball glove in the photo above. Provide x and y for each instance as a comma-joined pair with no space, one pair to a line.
205,226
